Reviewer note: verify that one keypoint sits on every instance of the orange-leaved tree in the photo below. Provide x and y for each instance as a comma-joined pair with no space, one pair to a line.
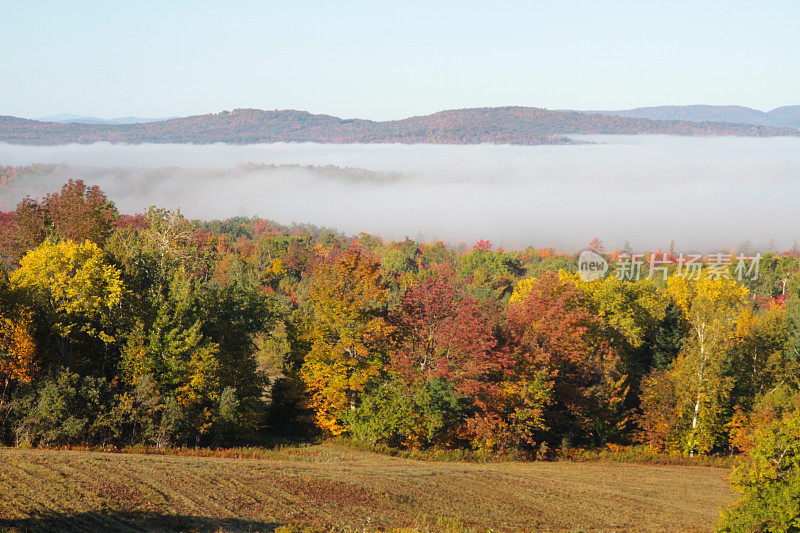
17,346
17,349
77,212
348,304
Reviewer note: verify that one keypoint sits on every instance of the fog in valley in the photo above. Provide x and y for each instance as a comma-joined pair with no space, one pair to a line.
704,193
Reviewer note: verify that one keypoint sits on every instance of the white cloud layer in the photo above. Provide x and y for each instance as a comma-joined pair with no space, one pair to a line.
704,193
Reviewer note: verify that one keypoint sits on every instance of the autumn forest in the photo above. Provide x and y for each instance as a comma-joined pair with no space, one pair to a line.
154,330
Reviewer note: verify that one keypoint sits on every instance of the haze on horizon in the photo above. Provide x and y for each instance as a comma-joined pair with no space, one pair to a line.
704,193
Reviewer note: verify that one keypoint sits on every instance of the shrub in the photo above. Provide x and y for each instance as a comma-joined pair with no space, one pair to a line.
227,418
399,415
65,409
143,416
769,481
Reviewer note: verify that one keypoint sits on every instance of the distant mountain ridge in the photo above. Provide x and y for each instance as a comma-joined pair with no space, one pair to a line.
781,117
496,125
80,119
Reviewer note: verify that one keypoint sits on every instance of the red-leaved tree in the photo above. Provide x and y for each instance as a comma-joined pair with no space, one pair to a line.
553,332
444,334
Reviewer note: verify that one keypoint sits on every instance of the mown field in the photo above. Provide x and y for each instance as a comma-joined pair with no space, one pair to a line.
333,487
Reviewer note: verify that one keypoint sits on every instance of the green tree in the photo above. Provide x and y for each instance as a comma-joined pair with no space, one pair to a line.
769,481
758,355
66,408
632,314
417,416
668,337
490,272
171,347
793,320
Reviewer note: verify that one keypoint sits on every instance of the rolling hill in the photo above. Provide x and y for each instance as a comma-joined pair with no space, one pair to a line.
782,117
501,125
80,119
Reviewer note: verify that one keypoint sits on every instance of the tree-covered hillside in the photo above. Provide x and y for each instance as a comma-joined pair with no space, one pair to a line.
502,125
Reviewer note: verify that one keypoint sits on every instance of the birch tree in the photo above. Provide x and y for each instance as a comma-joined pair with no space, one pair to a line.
710,307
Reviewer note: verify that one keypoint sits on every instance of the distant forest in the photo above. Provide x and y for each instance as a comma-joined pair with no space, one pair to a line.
44,173
502,125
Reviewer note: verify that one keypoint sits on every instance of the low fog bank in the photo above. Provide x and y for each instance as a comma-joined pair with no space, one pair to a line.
703,193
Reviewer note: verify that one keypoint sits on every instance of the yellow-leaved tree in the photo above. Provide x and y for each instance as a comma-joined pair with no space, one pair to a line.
711,307
632,309
348,300
74,286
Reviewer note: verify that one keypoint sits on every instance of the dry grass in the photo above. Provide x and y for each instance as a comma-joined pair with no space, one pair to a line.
330,486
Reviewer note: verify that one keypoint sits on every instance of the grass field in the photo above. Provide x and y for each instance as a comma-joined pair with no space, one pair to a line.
331,486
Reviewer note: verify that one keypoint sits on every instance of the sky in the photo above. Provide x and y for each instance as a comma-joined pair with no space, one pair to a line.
387,60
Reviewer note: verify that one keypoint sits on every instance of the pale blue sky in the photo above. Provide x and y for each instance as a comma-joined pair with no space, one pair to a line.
385,60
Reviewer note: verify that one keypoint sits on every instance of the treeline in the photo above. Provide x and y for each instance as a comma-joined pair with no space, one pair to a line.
500,125
39,175
154,329
9,173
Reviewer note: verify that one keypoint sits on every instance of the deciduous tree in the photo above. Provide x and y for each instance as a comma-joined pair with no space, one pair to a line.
74,285
711,308
348,306
553,332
